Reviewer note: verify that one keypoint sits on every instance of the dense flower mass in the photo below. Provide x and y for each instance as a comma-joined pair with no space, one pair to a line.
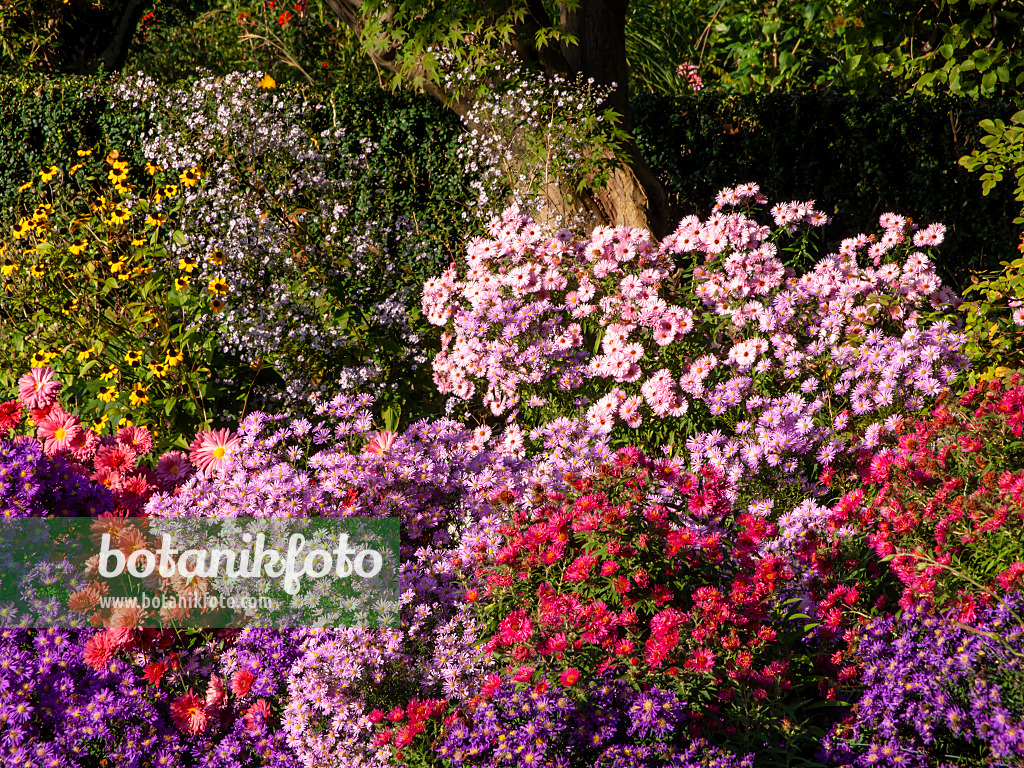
935,689
706,327
943,501
694,481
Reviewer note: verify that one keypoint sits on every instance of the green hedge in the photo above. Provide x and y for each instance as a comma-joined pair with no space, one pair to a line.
857,157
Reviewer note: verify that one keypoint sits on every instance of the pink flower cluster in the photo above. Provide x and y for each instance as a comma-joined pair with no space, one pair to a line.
709,322
114,459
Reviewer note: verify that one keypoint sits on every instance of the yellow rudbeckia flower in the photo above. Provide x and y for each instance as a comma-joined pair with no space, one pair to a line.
138,395
48,173
218,287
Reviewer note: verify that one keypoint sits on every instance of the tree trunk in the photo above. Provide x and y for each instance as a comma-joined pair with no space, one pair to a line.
634,196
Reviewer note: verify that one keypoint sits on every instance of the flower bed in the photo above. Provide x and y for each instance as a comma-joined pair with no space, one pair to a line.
703,507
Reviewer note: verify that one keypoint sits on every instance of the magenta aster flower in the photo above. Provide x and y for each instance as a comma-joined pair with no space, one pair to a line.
172,468
209,451
136,438
38,388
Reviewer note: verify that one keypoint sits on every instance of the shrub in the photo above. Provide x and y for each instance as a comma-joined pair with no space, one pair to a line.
92,289
994,305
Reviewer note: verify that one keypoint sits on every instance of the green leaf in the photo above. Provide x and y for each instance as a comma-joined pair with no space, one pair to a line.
179,237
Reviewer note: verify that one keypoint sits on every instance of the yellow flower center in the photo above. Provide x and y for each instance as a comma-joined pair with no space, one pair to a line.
59,434
218,452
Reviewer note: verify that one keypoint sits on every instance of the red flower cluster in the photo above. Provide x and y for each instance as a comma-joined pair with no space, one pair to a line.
947,498
674,593
414,718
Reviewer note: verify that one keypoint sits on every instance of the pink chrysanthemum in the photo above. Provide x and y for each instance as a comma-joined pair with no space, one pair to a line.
137,439
256,715
242,682
132,491
107,477
189,713
84,444
58,430
116,458
216,693
10,415
209,451
172,468
38,388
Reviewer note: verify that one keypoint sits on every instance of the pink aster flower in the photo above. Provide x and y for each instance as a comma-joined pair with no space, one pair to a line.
189,713
136,438
381,444
38,388
172,468
58,430
209,451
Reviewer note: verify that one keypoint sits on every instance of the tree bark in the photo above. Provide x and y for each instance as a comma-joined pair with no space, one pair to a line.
634,196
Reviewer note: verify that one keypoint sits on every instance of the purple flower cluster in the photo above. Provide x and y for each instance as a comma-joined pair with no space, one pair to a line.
936,690
57,711
34,485
609,724
440,480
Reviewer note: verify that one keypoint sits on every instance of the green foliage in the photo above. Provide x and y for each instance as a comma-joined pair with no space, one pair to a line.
661,35
56,36
995,343
962,47
427,38
862,154
1003,154
294,42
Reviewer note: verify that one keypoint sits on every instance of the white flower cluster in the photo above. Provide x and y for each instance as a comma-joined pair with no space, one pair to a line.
530,136
279,187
